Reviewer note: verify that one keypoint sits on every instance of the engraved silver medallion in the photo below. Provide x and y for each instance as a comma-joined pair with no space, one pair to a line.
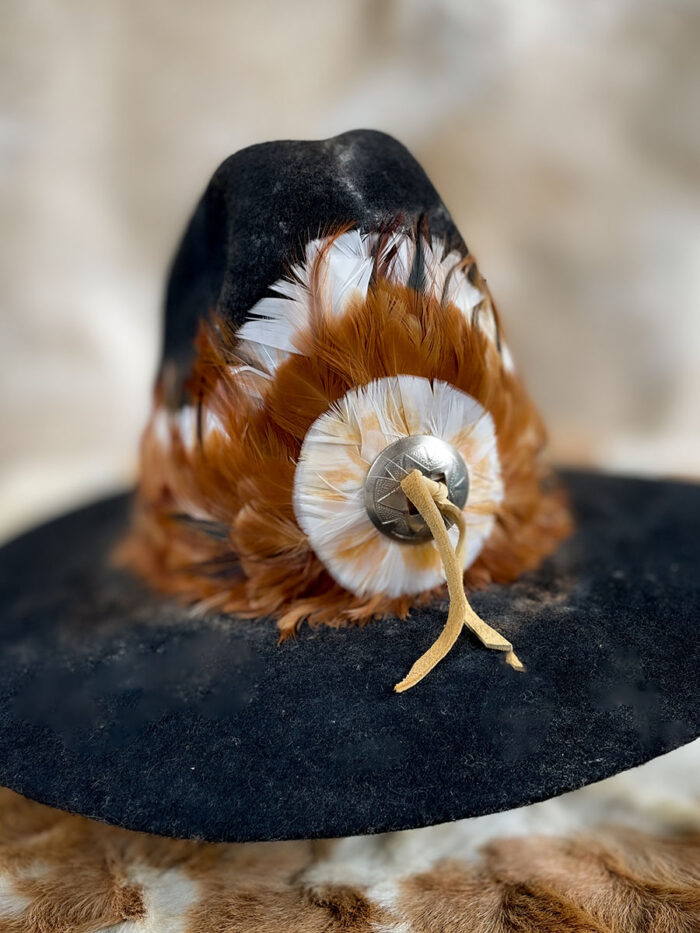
385,501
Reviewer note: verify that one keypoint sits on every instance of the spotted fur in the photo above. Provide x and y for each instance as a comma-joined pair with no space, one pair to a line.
61,873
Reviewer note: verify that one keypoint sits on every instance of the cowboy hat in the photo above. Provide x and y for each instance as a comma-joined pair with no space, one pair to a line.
348,595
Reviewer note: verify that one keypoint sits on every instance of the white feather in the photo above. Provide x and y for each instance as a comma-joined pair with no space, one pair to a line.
184,422
337,453
400,266
459,290
280,319
347,269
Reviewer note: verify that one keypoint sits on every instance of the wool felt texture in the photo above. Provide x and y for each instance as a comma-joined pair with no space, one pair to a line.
119,704
266,202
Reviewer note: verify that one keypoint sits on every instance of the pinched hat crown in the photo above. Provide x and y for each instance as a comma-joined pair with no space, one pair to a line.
263,206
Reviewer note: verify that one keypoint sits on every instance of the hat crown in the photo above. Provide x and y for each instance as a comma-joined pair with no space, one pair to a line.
267,201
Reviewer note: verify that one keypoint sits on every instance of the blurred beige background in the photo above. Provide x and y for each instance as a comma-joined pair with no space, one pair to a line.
564,137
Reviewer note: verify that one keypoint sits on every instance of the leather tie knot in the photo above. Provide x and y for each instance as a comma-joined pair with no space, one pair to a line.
431,500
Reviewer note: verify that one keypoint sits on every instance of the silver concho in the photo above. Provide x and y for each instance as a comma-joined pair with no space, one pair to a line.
385,501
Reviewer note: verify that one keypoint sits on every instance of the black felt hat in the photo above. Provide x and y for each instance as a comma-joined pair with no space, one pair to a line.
131,687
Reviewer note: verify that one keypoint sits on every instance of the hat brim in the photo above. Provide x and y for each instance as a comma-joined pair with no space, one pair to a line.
121,705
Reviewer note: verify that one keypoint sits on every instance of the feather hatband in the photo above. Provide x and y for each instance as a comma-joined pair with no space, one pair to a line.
250,492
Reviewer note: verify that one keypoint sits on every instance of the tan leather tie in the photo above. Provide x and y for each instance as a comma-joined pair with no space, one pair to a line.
430,499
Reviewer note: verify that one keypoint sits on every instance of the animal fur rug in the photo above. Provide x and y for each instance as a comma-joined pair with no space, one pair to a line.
622,856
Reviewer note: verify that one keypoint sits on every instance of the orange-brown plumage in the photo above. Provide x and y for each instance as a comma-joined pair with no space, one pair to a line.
252,558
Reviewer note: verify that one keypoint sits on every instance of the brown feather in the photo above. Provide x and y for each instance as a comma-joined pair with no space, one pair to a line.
242,478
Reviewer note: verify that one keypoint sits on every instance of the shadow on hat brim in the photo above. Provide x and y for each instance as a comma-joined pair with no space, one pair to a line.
120,705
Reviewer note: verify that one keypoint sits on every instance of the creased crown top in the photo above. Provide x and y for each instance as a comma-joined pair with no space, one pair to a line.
266,202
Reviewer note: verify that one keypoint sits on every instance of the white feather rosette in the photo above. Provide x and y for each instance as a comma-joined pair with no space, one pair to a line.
340,447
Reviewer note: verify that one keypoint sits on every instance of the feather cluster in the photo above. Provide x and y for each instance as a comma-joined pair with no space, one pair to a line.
363,318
